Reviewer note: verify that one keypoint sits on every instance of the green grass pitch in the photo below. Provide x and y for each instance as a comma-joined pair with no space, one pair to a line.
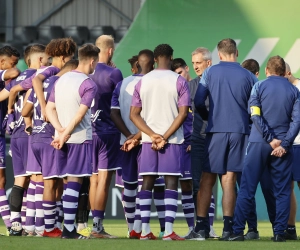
119,228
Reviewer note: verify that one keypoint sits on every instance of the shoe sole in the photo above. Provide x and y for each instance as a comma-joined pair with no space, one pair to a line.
198,239
173,239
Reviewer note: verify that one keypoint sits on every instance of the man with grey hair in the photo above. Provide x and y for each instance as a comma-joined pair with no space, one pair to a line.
201,59
228,87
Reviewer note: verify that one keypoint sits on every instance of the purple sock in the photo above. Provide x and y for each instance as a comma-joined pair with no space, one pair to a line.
4,208
188,207
70,203
160,208
23,208
59,217
39,216
49,213
30,211
129,196
171,198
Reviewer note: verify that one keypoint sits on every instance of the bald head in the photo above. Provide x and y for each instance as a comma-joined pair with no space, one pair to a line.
287,68
105,42
145,61
288,74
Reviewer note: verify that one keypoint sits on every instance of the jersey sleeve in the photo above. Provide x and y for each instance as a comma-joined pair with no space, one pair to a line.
52,95
50,71
31,96
116,76
202,94
27,83
184,98
136,98
2,73
294,125
87,92
255,111
9,85
115,97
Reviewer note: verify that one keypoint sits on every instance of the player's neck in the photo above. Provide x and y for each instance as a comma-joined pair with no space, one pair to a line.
56,62
83,68
103,58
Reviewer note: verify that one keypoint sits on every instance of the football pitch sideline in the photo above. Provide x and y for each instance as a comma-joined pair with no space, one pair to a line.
119,228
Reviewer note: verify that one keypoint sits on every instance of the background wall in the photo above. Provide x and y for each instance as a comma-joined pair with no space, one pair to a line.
261,28
77,12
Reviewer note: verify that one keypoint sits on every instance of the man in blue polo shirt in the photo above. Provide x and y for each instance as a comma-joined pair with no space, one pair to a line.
275,107
228,86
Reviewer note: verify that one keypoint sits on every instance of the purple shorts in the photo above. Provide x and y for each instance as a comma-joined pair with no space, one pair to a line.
33,167
45,156
187,164
2,152
129,164
118,181
74,160
167,161
19,150
105,152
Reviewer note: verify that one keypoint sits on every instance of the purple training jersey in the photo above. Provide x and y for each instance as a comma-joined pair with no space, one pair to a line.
19,127
106,79
3,104
45,71
42,130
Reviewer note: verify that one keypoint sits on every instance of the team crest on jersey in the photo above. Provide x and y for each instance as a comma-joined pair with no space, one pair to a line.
45,85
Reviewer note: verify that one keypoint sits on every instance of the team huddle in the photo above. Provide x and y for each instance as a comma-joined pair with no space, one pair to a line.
75,123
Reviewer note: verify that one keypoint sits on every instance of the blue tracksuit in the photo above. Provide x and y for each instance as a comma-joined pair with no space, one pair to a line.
228,87
275,106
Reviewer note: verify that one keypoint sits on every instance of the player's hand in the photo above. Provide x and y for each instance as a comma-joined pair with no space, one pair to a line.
44,116
62,138
61,133
275,143
279,152
28,130
189,148
156,139
130,144
161,144
10,111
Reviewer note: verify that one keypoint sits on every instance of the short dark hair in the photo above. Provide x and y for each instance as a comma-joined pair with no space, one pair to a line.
9,51
252,65
164,50
72,63
31,49
133,60
227,46
276,66
178,63
149,53
88,51
61,47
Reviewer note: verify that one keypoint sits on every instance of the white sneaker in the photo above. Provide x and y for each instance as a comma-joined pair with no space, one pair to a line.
39,233
212,233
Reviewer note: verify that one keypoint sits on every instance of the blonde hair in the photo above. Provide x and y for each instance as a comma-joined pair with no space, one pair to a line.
105,42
